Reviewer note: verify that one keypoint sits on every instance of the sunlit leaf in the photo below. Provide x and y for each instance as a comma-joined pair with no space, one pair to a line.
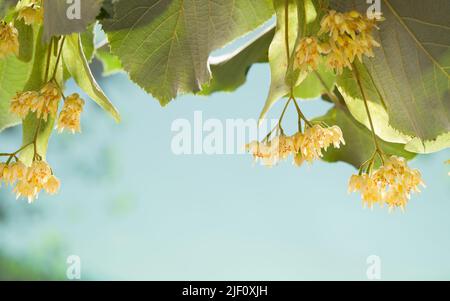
359,142
77,65
410,73
230,71
165,45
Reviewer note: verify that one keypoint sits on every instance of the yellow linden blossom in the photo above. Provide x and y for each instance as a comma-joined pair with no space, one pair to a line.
38,176
350,36
47,102
52,185
31,14
392,184
306,146
9,40
14,172
307,56
3,166
271,152
69,117
317,138
370,193
21,103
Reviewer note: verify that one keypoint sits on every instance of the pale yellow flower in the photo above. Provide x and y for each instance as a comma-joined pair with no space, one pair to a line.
69,117
350,37
2,168
52,185
392,184
31,14
22,102
47,102
38,174
318,138
27,190
307,56
9,40
271,152
14,172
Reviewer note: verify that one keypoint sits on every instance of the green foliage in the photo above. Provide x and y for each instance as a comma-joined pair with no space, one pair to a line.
230,71
5,6
278,57
111,63
77,65
165,48
409,74
61,17
33,127
164,45
359,143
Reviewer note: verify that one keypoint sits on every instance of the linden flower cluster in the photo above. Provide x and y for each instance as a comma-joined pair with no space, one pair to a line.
45,103
69,118
349,36
31,14
392,184
307,146
9,40
30,181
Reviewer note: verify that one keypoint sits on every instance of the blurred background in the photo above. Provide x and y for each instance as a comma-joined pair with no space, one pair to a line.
133,210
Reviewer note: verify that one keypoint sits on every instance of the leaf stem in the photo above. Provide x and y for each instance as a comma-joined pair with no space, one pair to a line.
49,53
286,30
366,105
58,58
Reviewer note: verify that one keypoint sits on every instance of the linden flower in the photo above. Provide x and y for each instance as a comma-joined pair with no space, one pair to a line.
35,178
21,103
317,138
31,14
307,56
14,172
2,168
370,193
271,152
9,40
350,36
391,184
25,189
38,174
52,185
69,117
47,103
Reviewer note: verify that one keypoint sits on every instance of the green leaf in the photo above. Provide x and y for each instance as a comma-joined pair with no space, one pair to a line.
63,17
35,82
77,65
14,74
5,6
165,45
278,58
87,40
111,63
229,72
316,83
409,75
359,142
26,40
